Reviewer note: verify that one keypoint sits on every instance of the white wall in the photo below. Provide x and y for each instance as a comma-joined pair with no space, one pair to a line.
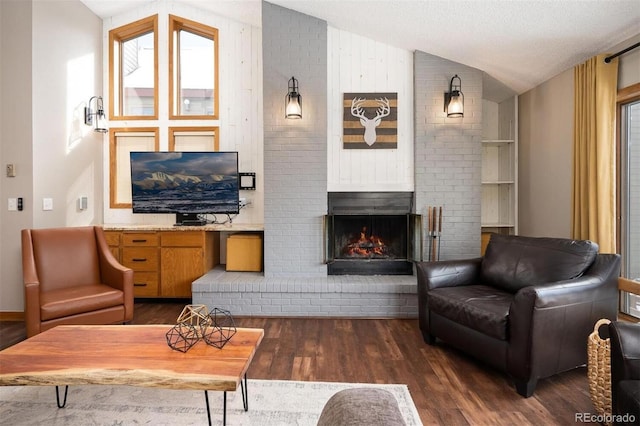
629,63
545,158
240,80
546,148
50,62
67,155
359,64
15,144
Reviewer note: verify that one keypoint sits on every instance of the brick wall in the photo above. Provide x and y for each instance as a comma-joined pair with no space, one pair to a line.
447,172
448,153
295,151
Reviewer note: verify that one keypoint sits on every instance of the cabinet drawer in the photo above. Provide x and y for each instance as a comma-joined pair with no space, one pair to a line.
112,238
136,239
145,284
140,258
182,239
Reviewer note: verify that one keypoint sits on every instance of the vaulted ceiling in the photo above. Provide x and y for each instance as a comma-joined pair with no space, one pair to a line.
517,43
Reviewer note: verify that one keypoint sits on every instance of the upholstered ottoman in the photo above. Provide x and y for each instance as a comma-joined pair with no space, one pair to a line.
361,407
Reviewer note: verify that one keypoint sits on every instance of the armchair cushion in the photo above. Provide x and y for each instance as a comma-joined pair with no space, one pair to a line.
64,302
514,262
479,307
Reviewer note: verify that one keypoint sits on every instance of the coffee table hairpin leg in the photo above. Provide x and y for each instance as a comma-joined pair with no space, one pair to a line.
64,402
245,401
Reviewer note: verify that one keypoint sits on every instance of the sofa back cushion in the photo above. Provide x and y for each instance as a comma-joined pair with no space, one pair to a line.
512,262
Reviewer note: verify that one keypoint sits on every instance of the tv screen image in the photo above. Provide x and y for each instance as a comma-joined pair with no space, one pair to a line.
185,182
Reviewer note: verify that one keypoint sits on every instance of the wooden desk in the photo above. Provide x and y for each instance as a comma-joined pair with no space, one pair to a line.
135,355
167,259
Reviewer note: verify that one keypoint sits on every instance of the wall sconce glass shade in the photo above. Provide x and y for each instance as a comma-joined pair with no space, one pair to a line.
95,117
454,99
293,101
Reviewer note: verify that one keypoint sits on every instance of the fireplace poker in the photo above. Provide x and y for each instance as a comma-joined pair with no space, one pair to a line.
429,229
434,228
439,231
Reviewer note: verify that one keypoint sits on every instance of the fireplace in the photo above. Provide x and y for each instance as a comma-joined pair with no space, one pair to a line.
372,233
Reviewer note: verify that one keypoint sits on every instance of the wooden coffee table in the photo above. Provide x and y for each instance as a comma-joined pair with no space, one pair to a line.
135,355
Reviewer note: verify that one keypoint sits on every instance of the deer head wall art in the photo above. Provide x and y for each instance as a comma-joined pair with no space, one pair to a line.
370,120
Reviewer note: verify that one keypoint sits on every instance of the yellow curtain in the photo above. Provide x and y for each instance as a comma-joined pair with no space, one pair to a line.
594,194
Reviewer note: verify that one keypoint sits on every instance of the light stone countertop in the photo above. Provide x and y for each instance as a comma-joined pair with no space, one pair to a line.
227,227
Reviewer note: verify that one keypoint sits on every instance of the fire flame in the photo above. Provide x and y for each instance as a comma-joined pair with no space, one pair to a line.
366,246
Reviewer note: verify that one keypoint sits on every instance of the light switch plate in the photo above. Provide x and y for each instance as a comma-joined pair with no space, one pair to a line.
47,204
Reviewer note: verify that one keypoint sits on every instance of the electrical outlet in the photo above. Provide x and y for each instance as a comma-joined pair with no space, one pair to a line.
11,170
12,205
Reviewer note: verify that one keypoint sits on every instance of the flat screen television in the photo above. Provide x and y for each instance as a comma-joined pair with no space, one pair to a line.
188,184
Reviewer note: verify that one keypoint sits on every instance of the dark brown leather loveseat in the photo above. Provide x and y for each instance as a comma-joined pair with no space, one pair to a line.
71,277
625,372
526,307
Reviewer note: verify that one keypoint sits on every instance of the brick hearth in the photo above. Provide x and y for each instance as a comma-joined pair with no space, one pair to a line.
251,293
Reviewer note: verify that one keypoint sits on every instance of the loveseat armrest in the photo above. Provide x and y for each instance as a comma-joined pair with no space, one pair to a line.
549,323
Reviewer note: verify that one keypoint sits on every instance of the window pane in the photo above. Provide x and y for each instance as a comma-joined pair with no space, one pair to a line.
138,76
196,74
631,201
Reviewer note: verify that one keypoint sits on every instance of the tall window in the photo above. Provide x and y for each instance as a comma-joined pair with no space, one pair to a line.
133,70
193,74
629,131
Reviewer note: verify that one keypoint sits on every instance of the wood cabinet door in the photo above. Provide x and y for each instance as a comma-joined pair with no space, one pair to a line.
180,266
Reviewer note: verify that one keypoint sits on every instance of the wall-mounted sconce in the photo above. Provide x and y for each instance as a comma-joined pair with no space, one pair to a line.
293,101
95,117
454,99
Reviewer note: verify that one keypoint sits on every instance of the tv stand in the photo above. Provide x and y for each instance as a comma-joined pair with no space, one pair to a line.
167,259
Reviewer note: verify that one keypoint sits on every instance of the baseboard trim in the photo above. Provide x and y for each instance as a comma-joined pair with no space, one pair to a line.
11,316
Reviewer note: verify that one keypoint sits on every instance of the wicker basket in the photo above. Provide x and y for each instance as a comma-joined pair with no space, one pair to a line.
599,371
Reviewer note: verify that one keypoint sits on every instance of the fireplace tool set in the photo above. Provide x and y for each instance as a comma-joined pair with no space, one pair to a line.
434,231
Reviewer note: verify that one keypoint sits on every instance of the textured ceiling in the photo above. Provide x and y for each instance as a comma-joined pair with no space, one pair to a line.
517,43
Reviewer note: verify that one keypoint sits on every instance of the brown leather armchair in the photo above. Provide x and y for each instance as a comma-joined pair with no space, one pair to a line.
71,277
526,307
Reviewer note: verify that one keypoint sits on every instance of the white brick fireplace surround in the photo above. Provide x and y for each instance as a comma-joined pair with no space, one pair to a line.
446,163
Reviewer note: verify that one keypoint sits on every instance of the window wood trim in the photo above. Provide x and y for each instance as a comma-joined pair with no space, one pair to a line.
625,95
113,160
120,35
215,130
177,23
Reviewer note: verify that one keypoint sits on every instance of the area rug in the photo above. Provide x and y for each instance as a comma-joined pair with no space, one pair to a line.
271,402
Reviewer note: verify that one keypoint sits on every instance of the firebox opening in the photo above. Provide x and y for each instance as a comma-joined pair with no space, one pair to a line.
371,233
371,237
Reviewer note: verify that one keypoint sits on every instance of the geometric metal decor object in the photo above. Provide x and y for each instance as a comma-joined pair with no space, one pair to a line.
182,337
195,323
220,328
195,315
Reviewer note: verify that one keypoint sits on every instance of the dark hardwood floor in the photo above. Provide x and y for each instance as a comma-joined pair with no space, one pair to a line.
447,387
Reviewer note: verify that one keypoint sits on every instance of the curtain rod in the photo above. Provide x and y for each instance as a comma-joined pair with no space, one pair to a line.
615,55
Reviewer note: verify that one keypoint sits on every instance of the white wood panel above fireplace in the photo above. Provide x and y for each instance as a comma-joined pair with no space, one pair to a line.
359,64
